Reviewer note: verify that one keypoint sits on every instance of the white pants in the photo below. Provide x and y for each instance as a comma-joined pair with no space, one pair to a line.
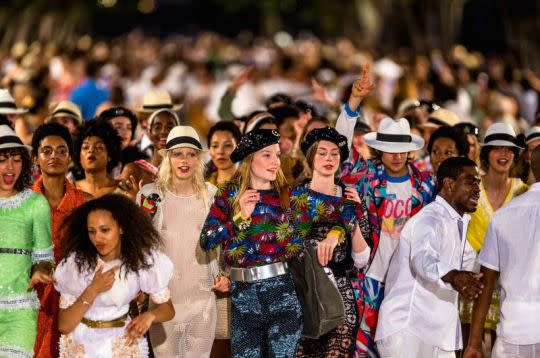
503,349
403,344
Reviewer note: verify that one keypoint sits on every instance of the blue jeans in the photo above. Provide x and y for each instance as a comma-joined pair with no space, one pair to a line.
266,318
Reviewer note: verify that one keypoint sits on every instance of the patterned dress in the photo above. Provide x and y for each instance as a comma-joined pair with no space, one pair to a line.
25,239
319,213
47,332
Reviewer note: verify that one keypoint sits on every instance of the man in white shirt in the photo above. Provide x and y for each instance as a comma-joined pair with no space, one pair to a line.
419,314
511,254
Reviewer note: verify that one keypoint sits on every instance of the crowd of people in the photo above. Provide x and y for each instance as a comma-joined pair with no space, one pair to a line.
411,181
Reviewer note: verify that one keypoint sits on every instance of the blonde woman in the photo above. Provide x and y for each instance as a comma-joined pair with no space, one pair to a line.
178,203
250,221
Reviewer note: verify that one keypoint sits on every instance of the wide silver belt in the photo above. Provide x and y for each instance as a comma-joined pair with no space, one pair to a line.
256,273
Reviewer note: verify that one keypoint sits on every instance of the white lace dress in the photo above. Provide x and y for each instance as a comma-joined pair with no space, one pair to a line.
88,342
179,220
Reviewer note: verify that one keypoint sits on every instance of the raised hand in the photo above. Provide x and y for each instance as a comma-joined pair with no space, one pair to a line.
242,77
248,200
363,86
320,93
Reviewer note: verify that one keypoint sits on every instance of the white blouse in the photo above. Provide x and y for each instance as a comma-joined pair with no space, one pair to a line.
114,303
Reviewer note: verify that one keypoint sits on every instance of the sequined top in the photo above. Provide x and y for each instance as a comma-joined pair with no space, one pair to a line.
25,238
270,237
317,213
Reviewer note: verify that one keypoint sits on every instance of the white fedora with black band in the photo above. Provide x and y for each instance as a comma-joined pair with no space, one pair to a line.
153,101
182,137
532,134
501,135
7,104
8,139
394,136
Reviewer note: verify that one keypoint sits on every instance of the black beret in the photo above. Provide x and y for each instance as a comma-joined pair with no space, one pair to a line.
329,134
254,141
114,112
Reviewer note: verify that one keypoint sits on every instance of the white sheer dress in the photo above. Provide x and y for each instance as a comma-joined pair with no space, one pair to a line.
179,220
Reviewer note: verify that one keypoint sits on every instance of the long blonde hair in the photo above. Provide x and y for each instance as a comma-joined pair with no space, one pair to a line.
165,177
243,178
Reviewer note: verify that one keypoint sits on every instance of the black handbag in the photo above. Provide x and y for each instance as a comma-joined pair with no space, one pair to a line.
322,305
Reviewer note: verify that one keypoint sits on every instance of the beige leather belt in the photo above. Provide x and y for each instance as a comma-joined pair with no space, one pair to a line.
256,273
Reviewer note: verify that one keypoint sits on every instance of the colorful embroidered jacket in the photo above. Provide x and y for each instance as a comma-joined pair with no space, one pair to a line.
372,188
270,237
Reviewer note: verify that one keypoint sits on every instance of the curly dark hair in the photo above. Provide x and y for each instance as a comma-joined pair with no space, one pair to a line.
139,235
101,128
25,179
50,129
459,138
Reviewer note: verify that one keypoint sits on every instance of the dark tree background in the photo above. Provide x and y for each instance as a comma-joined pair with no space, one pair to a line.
490,26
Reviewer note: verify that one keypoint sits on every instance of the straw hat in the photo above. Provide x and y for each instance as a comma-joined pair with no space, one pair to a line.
442,117
153,101
394,136
7,104
181,137
67,109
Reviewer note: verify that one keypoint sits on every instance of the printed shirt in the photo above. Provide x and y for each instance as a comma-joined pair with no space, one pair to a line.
372,187
397,211
270,237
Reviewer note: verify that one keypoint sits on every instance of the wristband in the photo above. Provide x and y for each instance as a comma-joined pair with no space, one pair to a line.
350,112
241,222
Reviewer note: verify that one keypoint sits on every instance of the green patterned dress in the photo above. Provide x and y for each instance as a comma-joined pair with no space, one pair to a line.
25,239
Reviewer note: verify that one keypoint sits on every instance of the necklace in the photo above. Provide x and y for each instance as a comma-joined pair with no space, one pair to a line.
308,185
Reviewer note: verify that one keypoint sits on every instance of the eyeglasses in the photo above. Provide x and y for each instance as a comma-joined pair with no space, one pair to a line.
48,152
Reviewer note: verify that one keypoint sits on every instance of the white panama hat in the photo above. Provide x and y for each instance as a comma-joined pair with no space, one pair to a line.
394,136
7,104
531,134
8,139
182,137
502,135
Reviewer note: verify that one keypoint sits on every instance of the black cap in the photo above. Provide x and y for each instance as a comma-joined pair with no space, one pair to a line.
329,134
254,141
114,112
